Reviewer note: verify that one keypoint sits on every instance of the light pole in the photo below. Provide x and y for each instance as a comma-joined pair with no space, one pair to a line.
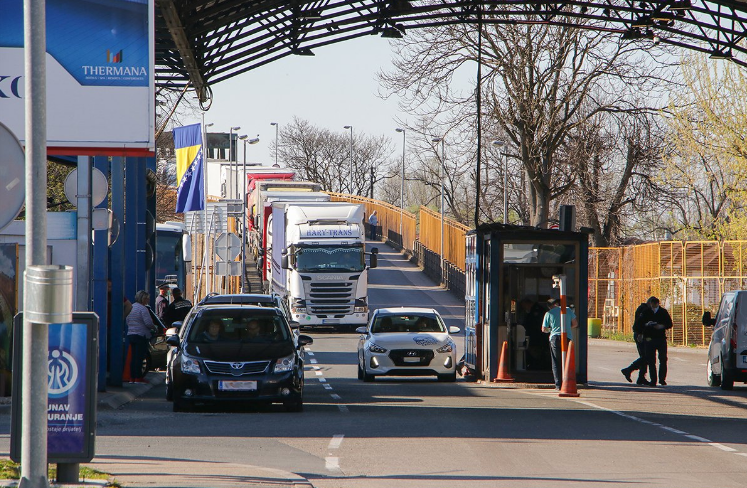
231,183
351,156
402,183
443,158
243,218
205,227
243,138
499,144
276,165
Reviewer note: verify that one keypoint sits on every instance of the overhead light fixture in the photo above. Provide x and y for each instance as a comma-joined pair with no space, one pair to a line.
719,54
641,22
391,33
681,5
302,51
662,16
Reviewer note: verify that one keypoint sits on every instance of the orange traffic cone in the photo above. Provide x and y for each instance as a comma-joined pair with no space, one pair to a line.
126,372
569,378
503,375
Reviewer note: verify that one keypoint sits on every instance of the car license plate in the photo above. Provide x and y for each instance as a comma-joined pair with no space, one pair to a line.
411,360
330,321
237,385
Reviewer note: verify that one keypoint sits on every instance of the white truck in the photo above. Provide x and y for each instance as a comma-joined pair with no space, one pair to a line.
319,262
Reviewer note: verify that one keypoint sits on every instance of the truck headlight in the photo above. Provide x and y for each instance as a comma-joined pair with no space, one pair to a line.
374,348
190,366
298,309
449,347
283,365
298,306
363,309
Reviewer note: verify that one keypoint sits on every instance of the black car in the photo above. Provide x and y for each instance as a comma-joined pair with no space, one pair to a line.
257,299
236,353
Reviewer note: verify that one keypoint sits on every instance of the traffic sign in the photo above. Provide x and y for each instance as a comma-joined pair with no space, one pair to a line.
227,246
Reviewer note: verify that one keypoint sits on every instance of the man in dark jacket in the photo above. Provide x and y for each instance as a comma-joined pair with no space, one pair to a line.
653,324
162,300
639,364
178,309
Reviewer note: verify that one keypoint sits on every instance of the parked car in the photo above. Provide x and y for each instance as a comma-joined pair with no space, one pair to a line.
235,353
727,351
406,342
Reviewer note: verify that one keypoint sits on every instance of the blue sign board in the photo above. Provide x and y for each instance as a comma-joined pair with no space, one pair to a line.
71,407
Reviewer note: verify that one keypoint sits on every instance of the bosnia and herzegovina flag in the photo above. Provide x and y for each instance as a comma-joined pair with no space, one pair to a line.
189,168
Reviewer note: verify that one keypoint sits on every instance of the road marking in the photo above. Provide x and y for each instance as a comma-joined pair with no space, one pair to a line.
680,359
313,361
335,396
602,367
741,454
699,439
336,441
327,386
332,463
723,447
317,368
318,373
673,430
343,408
322,380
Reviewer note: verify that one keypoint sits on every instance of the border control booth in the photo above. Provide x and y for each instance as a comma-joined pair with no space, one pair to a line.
509,280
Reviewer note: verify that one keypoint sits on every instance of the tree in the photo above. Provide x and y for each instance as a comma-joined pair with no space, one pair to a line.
324,156
540,84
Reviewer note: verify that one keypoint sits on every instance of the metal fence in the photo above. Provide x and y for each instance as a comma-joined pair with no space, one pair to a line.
688,277
453,232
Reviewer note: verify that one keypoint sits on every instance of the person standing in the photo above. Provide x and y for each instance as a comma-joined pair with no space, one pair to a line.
551,324
177,310
373,221
162,300
639,364
653,324
140,328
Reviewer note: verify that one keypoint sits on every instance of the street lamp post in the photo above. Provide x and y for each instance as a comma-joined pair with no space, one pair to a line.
205,227
243,218
443,162
499,144
350,127
231,183
276,165
402,184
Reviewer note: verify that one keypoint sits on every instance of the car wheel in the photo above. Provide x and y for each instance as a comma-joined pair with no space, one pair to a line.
146,364
448,377
713,379
727,377
294,406
360,372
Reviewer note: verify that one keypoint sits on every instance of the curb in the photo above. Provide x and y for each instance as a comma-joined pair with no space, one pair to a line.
114,400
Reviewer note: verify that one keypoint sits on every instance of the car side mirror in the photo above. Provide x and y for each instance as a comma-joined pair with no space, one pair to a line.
362,330
707,320
176,326
304,340
453,329
172,340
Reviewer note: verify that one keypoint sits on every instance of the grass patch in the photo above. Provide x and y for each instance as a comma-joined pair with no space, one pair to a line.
617,336
10,470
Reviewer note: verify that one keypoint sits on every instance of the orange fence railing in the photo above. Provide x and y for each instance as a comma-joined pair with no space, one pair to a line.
453,232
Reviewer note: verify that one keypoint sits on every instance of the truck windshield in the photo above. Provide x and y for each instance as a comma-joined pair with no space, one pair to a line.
330,258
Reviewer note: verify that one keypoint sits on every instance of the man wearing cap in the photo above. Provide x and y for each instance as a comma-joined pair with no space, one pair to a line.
551,324
178,309
162,300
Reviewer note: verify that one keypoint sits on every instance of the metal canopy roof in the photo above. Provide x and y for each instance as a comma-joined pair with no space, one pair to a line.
203,42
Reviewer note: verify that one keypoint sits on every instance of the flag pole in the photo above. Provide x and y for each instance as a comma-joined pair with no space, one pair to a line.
204,190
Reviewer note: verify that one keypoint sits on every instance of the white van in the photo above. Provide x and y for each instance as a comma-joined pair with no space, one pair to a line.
727,351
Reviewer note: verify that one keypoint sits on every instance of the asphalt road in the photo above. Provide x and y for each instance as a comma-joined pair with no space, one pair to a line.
416,432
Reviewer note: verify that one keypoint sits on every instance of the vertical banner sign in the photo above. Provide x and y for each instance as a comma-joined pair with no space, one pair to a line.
189,168
100,81
71,407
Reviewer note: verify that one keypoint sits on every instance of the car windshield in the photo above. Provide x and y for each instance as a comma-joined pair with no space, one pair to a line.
407,323
236,325
330,258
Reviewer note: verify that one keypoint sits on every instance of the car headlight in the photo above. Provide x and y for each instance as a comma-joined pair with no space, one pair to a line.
374,348
189,365
448,347
285,364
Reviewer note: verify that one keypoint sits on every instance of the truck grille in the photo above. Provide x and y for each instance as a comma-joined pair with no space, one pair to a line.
236,368
330,298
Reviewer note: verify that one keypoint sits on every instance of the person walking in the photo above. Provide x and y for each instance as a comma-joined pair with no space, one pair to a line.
551,324
140,329
373,221
653,325
162,300
177,310
639,364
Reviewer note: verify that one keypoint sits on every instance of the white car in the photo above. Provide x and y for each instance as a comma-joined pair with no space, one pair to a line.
406,342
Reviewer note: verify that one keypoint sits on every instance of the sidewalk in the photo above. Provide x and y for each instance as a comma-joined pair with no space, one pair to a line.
136,472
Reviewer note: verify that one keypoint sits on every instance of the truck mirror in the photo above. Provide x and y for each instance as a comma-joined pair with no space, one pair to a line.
186,248
707,320
374,261
284,262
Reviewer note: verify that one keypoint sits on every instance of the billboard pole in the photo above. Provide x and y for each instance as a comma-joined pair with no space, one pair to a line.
35,340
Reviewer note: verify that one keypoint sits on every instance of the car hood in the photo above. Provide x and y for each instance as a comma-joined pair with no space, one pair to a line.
239,352
425,340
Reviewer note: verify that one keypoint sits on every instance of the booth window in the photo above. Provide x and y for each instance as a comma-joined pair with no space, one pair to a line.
523,253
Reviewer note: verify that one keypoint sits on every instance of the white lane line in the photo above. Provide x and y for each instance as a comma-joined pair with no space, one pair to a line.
698,438
723,447
680,359
322,380
741,454
336,441
313,361
332,463
673,430
602,367
327,386
343,408
335,396
318,373
316,368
